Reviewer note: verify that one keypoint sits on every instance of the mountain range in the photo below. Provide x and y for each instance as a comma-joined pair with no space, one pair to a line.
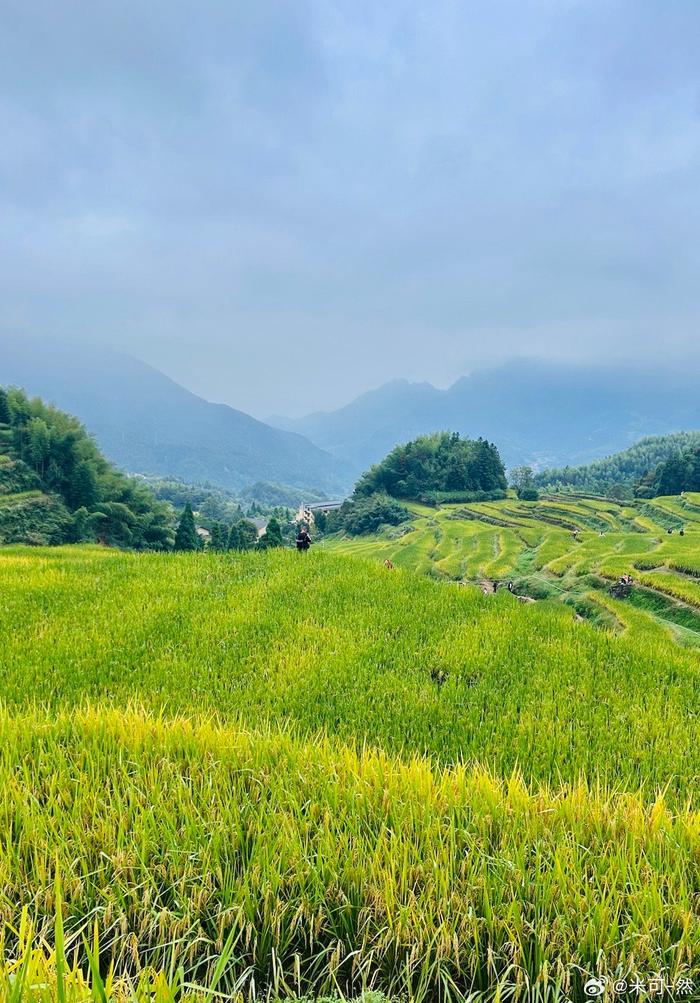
545,414
146,423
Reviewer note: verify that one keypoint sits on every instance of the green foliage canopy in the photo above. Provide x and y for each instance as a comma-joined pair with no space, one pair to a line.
680,472
186,537
243,535
439,463
83,496
272,537
360,515
621,470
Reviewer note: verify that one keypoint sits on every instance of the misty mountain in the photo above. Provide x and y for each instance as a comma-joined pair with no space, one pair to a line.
541,413
146,423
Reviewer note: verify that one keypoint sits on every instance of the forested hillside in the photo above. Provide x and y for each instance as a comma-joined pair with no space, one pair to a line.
679,473
622,470
56,487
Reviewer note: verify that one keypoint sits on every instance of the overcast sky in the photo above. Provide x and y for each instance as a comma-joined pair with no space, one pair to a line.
282,204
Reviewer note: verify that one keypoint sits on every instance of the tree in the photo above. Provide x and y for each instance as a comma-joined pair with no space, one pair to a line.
679,472
365,515
5,416
521,477
490,475
83,486
115,524
219,536
243,535
54,478
81,530
528,493
38,443
635,468
433,464
234,538
186,537
272,537
671,478
64,462
620,491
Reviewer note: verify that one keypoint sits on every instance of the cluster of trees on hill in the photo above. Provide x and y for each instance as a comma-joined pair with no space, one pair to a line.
269,494
679,472
618,474
441,467
80,497
438,467
216,504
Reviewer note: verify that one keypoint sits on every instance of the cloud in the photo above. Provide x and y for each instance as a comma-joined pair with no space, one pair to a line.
282,204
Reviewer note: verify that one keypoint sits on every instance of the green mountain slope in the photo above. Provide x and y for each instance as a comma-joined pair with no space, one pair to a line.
146,423
622,469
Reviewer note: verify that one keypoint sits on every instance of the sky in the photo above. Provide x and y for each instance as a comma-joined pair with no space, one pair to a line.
283,204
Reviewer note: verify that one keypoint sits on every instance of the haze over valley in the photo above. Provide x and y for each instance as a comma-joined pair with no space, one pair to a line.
543,414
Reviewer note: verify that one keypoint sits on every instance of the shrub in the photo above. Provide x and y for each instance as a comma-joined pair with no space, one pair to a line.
528,493
457,497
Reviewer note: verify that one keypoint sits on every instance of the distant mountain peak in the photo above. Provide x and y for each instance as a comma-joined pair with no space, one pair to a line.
147,423
539,411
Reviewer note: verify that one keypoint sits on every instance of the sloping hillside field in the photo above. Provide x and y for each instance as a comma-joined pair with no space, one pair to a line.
306,774
564,548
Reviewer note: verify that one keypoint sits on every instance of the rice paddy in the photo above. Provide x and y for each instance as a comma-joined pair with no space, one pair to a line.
563,548
273,776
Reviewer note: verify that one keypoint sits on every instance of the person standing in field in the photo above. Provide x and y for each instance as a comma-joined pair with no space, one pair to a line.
303,539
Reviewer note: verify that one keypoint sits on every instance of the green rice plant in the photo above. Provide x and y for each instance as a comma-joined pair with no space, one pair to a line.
347,648
556,544
291,776
631,619
313,868
507,551
677,507
674,585
688,564
529,541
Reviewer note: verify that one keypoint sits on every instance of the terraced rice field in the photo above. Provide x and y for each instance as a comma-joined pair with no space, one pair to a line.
565,549
269,776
